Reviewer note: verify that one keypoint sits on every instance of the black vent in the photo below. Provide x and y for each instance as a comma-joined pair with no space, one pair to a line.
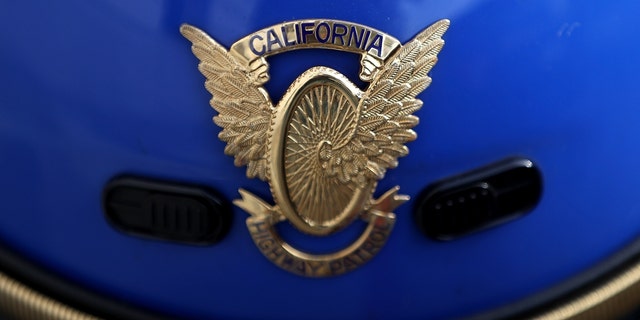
167,211
478,199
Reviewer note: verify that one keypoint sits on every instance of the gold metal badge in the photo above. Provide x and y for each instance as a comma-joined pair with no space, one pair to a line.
325,145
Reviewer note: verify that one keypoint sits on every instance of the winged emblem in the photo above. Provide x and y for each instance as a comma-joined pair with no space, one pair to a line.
244,107
326,143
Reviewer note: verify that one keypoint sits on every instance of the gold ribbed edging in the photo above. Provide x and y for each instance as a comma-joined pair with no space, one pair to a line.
613,299
21,302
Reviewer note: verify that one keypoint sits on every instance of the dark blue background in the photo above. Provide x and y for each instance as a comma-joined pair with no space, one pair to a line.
93,89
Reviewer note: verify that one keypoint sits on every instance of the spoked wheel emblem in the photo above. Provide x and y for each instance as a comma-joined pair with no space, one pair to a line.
325,145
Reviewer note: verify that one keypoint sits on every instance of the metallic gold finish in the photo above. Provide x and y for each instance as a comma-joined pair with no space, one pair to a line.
21,302
374,45
612,299
380,224
327,143
320,112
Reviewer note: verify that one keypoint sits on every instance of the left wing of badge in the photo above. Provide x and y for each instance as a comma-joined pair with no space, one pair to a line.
243,105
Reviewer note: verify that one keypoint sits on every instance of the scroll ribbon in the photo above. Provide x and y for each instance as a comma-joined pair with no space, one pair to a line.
261,227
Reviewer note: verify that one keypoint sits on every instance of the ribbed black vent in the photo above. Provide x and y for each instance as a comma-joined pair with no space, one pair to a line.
166,211
478,199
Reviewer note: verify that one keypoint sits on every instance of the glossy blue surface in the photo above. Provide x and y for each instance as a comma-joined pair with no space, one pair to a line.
94,89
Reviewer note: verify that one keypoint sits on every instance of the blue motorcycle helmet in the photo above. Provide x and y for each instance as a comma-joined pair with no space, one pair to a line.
522,179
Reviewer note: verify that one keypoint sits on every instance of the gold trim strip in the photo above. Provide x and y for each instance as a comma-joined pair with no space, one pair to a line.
21,302
613,299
